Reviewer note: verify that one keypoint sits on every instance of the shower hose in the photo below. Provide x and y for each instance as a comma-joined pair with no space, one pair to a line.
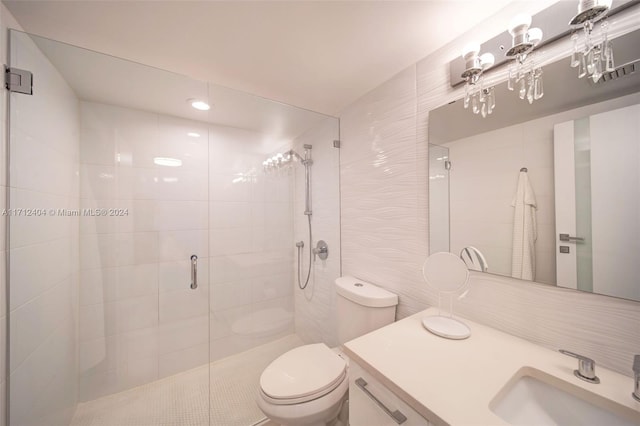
300,248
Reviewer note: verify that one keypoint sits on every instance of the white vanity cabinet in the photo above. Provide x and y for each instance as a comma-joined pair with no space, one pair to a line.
367,397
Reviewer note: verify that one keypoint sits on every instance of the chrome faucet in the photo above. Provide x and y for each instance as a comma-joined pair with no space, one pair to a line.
636,378
586,367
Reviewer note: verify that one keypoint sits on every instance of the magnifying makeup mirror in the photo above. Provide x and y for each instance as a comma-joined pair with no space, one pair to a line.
448,274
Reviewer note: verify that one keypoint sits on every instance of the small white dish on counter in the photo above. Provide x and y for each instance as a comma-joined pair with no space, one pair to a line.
449,275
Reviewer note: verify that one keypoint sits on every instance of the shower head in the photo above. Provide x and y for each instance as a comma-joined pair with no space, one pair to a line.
292,155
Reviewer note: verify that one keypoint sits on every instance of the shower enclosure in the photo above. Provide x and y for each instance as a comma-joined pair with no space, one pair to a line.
439,166
152,258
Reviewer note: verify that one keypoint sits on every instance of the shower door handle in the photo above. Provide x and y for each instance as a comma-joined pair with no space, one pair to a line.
194,271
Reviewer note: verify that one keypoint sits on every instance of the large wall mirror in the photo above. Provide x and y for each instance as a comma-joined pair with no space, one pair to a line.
574,154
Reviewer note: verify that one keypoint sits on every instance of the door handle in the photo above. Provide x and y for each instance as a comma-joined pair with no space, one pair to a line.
396,415
194,271
567,237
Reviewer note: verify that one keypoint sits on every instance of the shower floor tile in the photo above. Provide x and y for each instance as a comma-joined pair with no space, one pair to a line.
181,400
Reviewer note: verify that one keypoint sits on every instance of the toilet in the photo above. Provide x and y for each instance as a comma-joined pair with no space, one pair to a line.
309,384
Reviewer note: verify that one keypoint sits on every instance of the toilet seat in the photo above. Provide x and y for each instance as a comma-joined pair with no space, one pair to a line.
302,374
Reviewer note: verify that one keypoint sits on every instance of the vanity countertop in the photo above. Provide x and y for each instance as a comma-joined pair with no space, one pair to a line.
453,381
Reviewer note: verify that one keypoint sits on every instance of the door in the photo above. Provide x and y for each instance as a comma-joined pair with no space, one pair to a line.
439,165
108,221
597,159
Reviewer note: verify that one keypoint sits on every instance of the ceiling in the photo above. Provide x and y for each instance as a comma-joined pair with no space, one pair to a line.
318,55
97,77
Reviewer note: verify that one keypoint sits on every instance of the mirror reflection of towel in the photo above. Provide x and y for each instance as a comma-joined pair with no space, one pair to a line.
525,233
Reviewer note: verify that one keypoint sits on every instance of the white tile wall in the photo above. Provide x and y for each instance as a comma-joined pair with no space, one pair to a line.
43,251
383,239
384,231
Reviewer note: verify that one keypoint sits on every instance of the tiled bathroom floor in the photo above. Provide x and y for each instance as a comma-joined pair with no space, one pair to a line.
181,400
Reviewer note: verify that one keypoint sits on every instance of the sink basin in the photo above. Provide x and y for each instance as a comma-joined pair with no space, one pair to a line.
535,398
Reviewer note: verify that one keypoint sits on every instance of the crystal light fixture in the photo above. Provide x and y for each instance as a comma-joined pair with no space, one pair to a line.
524,74
481,99
596,54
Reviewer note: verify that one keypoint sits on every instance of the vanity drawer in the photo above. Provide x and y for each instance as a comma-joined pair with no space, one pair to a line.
367,396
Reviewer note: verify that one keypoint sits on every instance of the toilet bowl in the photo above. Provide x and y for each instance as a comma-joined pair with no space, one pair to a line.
308,385
305,386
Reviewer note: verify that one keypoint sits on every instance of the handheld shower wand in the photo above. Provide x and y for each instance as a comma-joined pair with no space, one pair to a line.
284,160
307,162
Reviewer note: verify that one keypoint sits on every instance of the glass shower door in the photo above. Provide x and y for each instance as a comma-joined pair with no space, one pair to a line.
439,165
152,271
108,220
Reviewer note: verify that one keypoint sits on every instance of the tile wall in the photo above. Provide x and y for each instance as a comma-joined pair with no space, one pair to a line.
383,191
43,247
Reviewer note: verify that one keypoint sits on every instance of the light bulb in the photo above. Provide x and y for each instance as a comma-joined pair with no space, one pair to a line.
487,60
199,105
471,49
519,24
534,35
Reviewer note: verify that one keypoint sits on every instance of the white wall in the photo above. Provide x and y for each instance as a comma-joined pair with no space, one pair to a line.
315,306
384,218
44,144
383,184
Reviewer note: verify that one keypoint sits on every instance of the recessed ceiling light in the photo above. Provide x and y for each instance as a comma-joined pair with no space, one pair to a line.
193,134
198,104
169,162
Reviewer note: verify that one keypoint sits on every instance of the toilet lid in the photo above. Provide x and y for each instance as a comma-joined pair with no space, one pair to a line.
302,372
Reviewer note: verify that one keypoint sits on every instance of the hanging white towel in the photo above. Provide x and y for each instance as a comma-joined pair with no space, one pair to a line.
525,233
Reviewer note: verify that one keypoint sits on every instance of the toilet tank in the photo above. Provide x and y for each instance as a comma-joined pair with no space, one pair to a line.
362,307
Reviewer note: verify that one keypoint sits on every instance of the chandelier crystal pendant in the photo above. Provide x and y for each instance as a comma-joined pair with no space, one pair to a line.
481,99
524,75
595,55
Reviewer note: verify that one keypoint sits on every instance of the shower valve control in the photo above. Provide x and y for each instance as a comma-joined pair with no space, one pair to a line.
321,250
